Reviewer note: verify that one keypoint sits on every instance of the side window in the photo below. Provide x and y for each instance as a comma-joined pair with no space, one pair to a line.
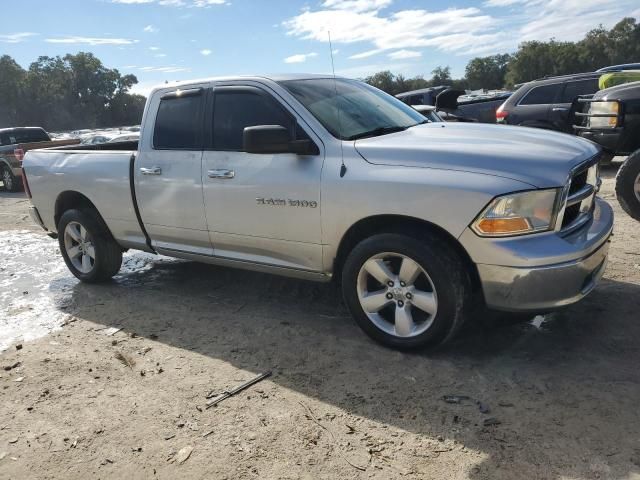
575,89
541,95
178,123
416,100
236,110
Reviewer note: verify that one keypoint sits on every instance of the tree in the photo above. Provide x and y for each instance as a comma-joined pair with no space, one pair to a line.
11,90
441,76
487,72
70,92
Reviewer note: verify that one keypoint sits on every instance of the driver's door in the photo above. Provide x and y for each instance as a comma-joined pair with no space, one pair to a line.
260,208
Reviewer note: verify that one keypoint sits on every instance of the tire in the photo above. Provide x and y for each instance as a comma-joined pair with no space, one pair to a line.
435,300
11,183
628,185
82,233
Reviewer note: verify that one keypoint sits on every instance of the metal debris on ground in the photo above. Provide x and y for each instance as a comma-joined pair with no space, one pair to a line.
111,331
455,398
226,394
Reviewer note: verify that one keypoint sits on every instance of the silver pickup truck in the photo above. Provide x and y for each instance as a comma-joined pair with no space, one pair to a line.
319,178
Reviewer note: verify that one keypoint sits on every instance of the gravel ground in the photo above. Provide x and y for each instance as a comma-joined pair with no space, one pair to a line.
110,380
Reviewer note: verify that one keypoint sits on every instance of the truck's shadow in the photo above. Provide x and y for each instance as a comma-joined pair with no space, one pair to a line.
582,363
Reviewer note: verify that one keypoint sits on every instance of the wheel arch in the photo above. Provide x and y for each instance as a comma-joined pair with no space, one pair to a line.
71,199
412,226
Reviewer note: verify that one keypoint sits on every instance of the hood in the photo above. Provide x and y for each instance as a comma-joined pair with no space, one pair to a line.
540,158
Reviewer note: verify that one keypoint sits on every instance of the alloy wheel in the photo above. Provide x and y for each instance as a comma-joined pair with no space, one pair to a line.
79,247
397,294
7,179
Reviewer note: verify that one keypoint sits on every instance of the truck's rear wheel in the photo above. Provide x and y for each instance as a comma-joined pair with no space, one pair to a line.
87,247
628,185
11,183
406,293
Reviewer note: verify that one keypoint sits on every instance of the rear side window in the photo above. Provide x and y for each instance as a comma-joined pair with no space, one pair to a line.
178,123
416,100
236,110
574,89
542,95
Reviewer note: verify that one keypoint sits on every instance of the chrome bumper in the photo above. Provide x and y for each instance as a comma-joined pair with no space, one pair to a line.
541,287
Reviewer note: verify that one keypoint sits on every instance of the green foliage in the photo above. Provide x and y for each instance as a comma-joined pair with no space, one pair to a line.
598,49
487,72
532,60
70,92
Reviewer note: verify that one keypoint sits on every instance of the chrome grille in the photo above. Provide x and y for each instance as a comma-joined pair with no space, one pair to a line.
578,198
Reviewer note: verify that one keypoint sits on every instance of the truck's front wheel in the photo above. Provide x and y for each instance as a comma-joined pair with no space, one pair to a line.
628,185
87,246
404,292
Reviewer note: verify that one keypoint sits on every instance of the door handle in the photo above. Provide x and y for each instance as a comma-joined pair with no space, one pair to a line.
559,109
151,171
221,173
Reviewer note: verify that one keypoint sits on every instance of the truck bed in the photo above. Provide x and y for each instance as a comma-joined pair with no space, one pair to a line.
99,173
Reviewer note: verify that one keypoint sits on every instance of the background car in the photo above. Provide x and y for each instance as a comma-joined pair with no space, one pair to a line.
428,112
546,103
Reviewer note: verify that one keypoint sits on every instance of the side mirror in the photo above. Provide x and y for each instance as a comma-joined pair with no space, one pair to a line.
448,99
274,139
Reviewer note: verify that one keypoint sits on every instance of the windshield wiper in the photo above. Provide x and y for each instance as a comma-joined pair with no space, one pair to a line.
376,132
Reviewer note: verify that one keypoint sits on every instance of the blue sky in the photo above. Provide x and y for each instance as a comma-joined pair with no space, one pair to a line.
160,40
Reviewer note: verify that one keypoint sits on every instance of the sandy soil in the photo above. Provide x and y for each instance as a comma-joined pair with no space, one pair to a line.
563,396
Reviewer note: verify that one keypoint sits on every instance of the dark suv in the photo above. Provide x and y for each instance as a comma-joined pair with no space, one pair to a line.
547,103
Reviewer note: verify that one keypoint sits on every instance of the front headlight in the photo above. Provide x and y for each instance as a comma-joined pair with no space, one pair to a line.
610,110
519,214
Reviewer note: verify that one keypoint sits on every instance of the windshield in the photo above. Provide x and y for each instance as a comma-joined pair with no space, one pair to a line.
351,109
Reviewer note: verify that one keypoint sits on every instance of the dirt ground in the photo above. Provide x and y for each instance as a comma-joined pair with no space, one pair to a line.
562,396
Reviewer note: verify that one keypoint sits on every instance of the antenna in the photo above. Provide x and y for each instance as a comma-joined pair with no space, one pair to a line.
343,167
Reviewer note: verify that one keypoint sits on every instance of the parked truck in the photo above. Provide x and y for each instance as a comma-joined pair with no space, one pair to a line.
611,118
14,143
318,178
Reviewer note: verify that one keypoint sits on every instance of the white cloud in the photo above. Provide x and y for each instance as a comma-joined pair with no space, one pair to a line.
570,19
16,37
154,48
160,55
398,30
402,54
300,57
206,52
175,3
169,69
150,29
367,54
91,40
357,5
460,31
502,3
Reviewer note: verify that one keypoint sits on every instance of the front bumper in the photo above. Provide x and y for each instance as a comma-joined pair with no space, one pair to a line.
546,285
609,140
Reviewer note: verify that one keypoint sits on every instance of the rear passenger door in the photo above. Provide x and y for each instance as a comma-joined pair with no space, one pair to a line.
261,208
534,108
168,172
561,114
